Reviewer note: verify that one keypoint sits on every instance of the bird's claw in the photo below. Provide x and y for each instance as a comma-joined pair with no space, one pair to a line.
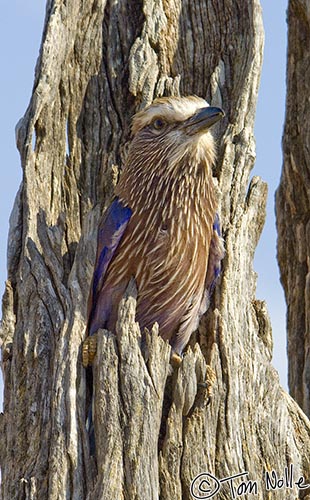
208,383
175,360
89,350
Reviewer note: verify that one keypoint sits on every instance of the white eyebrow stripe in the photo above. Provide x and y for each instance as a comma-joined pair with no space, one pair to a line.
170,109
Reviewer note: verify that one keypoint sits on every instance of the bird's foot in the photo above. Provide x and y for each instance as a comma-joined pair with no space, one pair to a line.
89,350
208,383
175,360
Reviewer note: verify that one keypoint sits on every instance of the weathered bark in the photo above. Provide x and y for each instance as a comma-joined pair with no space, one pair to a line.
100,62
293,203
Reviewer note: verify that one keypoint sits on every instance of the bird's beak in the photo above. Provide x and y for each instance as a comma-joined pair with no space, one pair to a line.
203,120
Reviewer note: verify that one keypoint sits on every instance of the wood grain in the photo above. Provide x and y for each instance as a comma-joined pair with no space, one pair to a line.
100,62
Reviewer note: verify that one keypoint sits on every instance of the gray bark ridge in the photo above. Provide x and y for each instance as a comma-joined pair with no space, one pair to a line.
99,63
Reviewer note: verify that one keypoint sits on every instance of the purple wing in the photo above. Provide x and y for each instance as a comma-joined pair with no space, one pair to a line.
216,254
110,232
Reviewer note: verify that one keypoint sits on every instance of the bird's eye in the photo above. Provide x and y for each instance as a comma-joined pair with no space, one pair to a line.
159,124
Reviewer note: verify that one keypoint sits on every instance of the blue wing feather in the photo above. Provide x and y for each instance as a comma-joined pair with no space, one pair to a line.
216,254
110,232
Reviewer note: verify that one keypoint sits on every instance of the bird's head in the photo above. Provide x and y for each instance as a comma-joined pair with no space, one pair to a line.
172,129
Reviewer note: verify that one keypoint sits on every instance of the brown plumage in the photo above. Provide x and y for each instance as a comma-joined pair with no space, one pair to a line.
164,239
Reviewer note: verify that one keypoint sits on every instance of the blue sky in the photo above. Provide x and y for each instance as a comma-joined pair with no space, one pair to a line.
20,37
268,133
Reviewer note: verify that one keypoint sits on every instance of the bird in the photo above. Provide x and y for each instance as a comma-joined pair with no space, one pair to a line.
162,227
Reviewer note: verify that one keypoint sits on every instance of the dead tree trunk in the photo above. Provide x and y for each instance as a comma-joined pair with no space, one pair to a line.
293,203
101,61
